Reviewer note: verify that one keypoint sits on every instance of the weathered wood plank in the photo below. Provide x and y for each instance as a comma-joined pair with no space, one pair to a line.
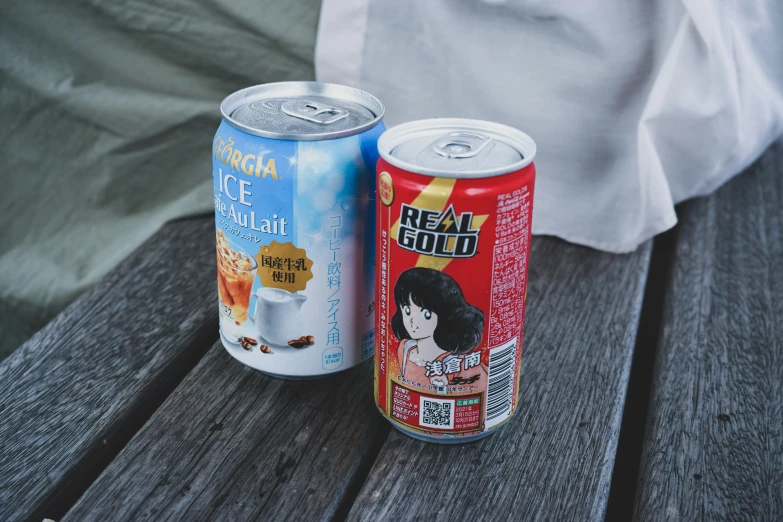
75,393
554,460
299,450
234,444
713,447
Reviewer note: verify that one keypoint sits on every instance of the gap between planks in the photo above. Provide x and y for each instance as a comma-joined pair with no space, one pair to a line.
629,448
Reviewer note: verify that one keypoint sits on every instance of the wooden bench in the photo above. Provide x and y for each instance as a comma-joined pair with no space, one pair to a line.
713,446
126,406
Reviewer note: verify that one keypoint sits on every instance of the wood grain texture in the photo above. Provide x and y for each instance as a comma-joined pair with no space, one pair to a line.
234,444
713,446
554,459
73,394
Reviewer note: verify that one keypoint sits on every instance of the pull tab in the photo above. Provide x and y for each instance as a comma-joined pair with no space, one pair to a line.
460,144
313,111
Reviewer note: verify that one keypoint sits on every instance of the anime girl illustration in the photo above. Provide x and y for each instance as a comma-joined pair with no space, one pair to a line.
437,330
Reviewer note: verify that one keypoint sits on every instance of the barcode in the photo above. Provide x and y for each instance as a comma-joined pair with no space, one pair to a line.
436,413
500,389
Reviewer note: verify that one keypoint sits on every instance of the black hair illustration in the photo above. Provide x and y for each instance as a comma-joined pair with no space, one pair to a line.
460,324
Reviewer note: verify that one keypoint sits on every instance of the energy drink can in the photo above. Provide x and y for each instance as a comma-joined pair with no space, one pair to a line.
294,178
455,202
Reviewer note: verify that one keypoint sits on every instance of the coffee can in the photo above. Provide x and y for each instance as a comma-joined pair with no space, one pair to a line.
294,179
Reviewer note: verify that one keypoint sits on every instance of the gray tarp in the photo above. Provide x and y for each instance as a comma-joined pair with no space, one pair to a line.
107,111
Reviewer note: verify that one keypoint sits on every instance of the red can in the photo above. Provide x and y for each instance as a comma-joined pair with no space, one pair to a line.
454,209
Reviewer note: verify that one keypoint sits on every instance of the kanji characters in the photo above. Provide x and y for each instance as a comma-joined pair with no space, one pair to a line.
472,359
433,368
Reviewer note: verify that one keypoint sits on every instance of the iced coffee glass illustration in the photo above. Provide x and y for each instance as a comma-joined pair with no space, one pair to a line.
236,270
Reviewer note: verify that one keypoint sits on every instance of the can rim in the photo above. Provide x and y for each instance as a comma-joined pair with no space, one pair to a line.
255,93
511,136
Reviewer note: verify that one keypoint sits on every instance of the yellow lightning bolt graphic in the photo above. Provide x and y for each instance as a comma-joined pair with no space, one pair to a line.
434,197
447,222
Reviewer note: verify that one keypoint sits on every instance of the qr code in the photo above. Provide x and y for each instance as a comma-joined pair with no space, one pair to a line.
436,413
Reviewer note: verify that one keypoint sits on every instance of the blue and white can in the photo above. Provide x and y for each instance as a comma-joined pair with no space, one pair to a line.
294,178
